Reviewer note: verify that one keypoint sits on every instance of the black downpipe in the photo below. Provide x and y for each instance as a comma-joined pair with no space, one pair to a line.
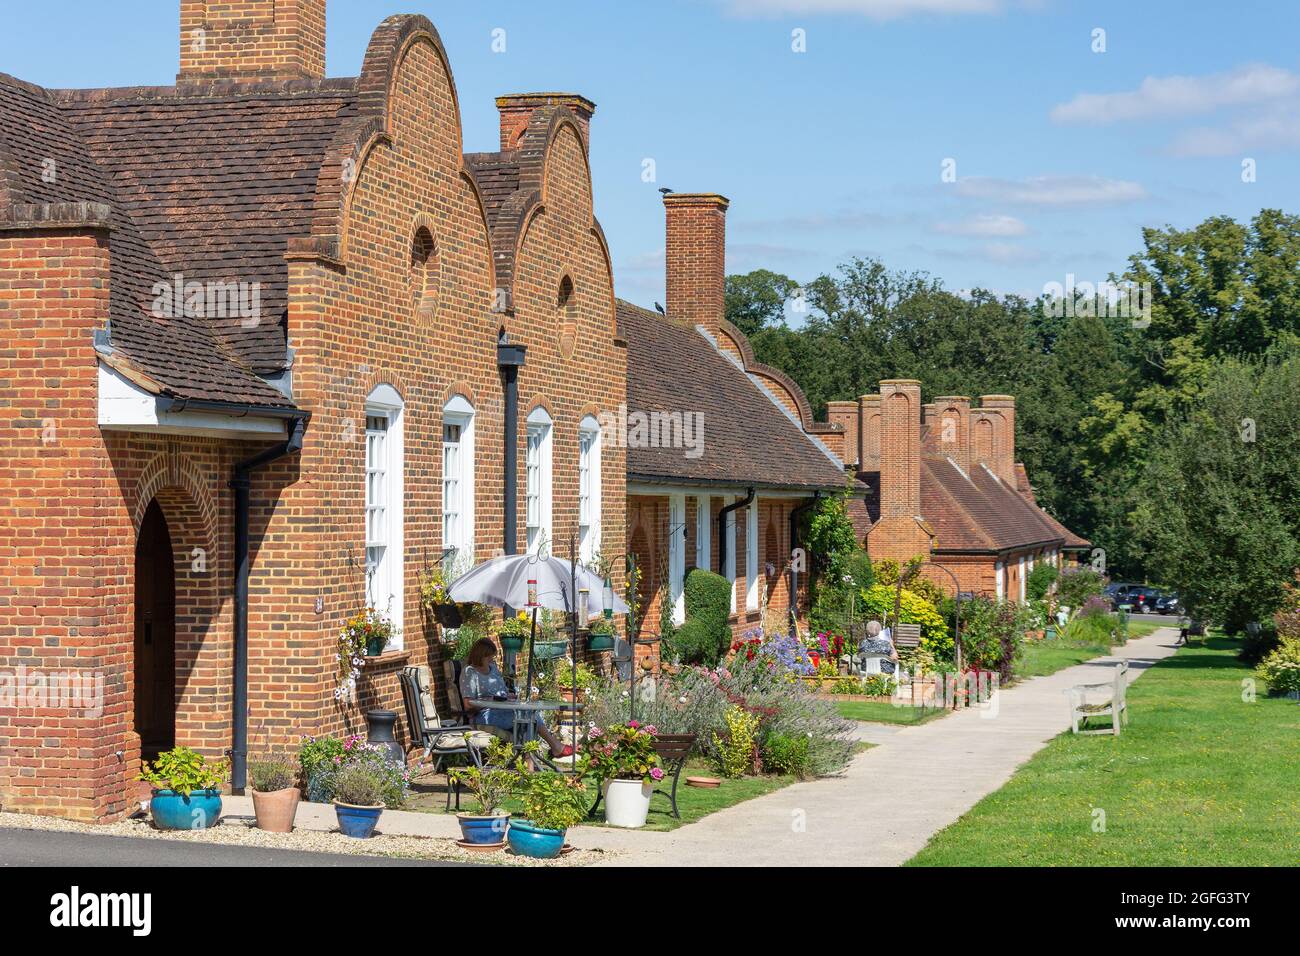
510,359
722,527
241,483
795,515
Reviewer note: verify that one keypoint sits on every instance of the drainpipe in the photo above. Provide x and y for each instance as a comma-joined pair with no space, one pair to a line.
510,359
795,515
722,527
241,483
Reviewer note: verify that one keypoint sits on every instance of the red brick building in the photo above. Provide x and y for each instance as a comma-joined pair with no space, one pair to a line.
721,452
944,484
269,321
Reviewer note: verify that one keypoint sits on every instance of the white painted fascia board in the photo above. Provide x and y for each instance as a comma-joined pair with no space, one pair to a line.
125,406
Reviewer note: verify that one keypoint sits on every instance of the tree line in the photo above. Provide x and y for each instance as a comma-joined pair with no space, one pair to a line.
1168,438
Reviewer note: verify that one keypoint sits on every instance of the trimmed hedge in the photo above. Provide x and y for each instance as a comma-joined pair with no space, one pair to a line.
705,635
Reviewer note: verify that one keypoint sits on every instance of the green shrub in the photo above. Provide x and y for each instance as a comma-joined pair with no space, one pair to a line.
878,602
1040,581
786,754
184,771
705,635
1281,669
1075,585
1255,647
553,801
877,685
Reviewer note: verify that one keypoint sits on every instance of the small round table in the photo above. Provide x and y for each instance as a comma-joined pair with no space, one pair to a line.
525,712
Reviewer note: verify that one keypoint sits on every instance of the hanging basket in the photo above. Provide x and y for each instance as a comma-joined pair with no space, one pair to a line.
448,615
549,650
512,645
600,642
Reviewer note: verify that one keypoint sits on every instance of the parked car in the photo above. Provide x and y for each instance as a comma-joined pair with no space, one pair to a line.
1170,603
1140,598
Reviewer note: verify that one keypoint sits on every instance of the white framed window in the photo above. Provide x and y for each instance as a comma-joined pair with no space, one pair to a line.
729,566
753,586
458,480
677,556
704,533
589,489
1021,575
1000,575
537,480
384,506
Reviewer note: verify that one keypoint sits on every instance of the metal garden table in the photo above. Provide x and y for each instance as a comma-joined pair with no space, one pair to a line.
525,714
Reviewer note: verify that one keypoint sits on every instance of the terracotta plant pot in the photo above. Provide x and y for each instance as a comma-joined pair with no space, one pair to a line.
275,810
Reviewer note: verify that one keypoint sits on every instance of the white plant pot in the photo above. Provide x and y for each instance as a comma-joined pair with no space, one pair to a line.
627,802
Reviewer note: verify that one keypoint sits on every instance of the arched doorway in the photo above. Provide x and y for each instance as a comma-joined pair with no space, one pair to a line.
155,635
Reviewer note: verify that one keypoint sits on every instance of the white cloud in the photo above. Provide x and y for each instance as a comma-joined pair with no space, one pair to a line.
1165,97
1276,129
989,226
874,9
816,222
1052,190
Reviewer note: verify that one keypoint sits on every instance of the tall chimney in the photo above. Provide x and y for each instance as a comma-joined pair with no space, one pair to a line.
898,533
252,40
846,415
517,110
953,437
869,432
996,442
695,257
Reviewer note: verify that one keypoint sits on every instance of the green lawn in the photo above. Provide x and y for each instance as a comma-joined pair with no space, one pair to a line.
1049,656
1200,777
881,712
693,802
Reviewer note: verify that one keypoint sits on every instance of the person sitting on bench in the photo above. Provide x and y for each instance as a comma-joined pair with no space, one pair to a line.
481,680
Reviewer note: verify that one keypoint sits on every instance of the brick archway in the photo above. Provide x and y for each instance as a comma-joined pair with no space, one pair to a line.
203,636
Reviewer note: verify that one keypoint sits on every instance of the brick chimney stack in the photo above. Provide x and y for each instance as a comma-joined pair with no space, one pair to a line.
846,415
869,432
898,533
995,437
252,40
517,110
953,429
695,258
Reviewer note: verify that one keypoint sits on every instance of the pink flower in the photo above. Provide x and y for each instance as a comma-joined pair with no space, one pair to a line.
652,730
634,724
656,773
594,733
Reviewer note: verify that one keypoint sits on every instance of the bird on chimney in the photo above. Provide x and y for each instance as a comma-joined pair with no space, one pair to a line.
664,190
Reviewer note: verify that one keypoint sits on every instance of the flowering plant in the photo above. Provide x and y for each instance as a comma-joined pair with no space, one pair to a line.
369,625
781,652
435,589
517,626
324,758
622,752
492,783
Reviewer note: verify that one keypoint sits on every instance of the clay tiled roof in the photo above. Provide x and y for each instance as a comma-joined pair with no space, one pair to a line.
747,439
44,160
217,179
977,512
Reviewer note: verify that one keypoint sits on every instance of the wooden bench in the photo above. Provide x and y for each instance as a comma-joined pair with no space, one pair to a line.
1101,700
907,637
672,749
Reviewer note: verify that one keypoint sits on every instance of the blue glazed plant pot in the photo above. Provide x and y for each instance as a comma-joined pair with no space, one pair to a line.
357,822
484,831
175,811
528,840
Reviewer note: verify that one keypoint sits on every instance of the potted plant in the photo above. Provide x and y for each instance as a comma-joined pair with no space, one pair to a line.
490,785
275,793
187,794
552,802
514,632
600,636
435,597
358,799
623,759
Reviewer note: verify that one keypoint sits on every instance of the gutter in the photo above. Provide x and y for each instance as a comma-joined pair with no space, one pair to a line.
241,482
722,525
241,409
510,359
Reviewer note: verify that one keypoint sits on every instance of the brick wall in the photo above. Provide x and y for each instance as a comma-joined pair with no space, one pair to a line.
695,258
897,535
244,39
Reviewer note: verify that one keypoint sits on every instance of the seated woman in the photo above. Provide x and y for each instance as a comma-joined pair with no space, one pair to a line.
480,680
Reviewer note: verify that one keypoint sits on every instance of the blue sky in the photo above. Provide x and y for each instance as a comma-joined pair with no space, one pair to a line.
1061,153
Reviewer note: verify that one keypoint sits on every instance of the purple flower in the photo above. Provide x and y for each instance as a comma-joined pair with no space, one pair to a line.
656,773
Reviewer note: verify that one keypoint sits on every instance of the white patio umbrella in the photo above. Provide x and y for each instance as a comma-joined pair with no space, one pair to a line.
529,582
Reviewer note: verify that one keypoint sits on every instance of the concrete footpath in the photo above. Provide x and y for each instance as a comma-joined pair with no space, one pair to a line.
880,812
894,797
